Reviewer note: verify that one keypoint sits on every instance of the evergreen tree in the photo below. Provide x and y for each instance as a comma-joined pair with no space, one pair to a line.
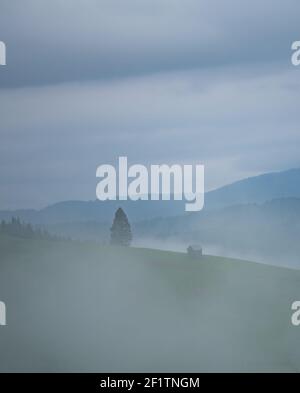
120,232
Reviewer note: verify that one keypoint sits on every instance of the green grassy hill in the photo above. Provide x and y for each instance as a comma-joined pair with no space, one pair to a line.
81,307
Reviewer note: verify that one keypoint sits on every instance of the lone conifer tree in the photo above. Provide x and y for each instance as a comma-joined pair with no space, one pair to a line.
120,232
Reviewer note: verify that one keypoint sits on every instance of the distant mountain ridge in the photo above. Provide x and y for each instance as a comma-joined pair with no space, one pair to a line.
256,189
84,211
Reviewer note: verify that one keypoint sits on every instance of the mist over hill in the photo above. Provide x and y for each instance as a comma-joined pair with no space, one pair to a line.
256,218
79,307
267,232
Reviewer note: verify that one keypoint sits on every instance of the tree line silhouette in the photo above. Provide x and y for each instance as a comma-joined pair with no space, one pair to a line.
17,228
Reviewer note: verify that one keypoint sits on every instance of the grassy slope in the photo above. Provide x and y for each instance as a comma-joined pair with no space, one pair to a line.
81,307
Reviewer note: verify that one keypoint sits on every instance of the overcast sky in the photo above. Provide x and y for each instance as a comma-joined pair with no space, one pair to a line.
160,81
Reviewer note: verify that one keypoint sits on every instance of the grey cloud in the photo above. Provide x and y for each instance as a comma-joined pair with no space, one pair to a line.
155,80
59,41
234,121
